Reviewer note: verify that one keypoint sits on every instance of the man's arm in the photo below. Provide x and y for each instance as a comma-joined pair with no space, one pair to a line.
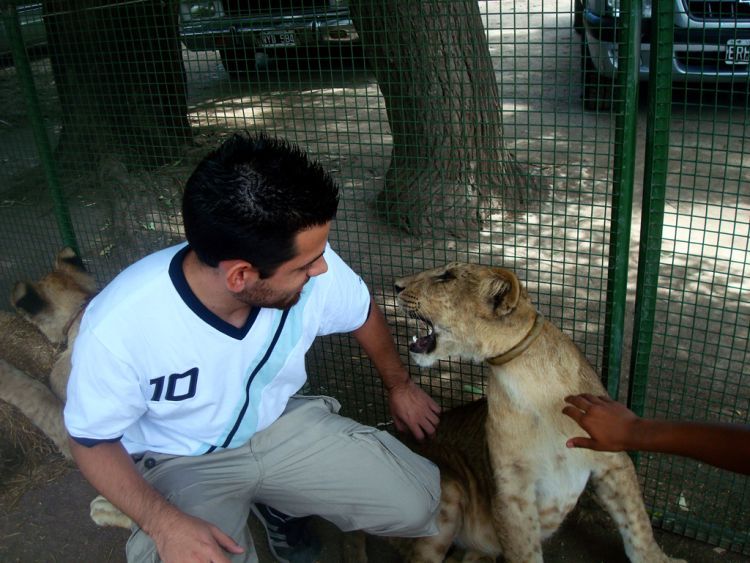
179,537
613,427
411,407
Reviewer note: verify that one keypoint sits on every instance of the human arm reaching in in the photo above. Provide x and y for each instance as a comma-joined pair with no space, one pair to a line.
178,536
412,408
613,427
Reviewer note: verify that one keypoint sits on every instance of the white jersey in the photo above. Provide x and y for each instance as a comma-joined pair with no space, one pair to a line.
153,367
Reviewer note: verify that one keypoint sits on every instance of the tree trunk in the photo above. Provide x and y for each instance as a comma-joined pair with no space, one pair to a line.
449,169
119,75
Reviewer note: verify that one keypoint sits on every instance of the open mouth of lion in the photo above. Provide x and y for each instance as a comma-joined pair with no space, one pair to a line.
423,344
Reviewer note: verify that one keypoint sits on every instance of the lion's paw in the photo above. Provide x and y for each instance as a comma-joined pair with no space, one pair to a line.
104,513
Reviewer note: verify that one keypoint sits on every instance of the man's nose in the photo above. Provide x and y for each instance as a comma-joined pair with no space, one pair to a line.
320,266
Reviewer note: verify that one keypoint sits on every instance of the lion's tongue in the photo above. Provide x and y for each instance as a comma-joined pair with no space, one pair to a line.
424,344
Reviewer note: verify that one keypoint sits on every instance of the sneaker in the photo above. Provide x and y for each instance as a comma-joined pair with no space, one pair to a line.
289,538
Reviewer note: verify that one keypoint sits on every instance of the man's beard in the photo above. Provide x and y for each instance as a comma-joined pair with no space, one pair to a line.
261,295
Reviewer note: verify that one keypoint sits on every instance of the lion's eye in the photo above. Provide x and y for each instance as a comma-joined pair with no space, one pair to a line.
445,276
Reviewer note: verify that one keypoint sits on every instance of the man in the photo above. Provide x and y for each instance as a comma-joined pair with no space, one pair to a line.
181,402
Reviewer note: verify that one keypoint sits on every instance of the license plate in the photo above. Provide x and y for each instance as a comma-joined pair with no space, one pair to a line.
277,39
738,52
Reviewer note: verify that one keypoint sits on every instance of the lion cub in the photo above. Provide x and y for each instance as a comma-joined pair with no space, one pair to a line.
53,305
507,478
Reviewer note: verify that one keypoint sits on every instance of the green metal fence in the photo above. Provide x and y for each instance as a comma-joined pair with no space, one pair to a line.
458,131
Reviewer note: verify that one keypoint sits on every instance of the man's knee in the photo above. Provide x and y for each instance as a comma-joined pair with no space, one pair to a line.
414,515
417,500
419,519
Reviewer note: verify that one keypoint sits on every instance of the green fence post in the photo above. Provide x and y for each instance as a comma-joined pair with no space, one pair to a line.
626,130
28,88
654,188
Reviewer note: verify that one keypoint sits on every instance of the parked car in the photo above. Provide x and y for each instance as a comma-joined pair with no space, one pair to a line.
711,42
245,30
32,31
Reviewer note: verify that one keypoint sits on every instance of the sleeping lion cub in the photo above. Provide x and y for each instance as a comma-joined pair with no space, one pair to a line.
508,480
53,305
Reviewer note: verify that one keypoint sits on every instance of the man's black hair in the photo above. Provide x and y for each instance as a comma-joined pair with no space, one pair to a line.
249,198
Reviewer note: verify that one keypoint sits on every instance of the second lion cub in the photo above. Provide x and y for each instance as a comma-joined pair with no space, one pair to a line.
508,479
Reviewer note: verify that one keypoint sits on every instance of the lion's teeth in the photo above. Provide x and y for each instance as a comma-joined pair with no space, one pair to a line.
429,330
413,338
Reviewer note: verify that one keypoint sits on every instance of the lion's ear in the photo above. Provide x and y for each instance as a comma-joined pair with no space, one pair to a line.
67,257
70,265
27,300
501,290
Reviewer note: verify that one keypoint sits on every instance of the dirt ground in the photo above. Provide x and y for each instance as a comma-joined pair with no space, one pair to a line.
559,250
49,524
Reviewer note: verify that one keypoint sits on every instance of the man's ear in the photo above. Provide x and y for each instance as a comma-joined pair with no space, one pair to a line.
238,274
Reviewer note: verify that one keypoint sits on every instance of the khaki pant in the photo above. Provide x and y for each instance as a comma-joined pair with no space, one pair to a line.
310,461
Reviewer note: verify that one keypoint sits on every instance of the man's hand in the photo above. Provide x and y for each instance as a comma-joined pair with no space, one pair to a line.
182,538
179,537
610,424
413,410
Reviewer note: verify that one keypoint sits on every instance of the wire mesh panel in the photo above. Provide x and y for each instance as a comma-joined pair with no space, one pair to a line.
691,339
698,367
466,146
549,222
488,132
20,158
698,362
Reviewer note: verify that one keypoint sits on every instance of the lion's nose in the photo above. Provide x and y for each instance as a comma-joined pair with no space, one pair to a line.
398,288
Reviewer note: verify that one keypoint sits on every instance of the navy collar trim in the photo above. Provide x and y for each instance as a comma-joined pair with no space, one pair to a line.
194,304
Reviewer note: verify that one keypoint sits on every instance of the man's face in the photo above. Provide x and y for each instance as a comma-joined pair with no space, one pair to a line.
284,287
